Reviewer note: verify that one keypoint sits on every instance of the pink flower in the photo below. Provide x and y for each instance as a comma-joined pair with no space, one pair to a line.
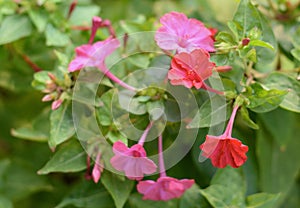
191,69
133,161
93,55
182,34
165,188
224,150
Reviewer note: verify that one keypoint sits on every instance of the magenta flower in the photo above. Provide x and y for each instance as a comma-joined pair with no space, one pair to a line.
191,69
224,150
182,34
93,55
165,188
133,161
98,169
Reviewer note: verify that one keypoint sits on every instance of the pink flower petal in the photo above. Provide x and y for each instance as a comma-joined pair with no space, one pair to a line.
182,34
133,161
165,188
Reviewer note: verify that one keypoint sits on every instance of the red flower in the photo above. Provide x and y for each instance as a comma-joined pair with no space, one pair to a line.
191,69
165,188
224,150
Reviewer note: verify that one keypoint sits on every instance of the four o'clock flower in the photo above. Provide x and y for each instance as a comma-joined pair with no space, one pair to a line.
165,188
133,161
182,34
224,150
191,69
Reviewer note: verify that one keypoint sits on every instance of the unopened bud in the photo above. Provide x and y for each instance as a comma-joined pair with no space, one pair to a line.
47,98
245,41
56,104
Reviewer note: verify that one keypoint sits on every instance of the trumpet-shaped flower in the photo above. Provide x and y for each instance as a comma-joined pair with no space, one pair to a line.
224,150
133,161
182,34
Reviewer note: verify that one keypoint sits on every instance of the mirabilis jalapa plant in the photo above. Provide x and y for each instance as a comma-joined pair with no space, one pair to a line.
192,49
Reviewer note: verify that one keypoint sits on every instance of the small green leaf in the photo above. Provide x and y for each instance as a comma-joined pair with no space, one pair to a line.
119,189
136,201
103,112
262,200
140,60
296,53
213,111
114,136
39,18
69,158
233,27
54,37
225,37
245,115
83,15
261,44
87,194
262,100
61,125
14,27
155,109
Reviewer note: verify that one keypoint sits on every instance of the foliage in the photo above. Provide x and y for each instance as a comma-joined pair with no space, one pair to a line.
44,152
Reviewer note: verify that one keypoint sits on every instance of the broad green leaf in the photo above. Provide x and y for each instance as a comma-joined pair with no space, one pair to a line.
193,199
225,37
131,104
54,37
87,194
155,109
136,201
114,136
119,189
69,158
262,200
278,164
61,125
262,100
103,112
227,189
140,60
39,18
37,131
246,118
213,111
14,27
5,202
284,82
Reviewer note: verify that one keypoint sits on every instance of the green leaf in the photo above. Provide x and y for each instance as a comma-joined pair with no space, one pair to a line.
225,37
136,201
54,37
37,131
83,15
296,53
155,109
5,202
114,136
248,17
14,27
284,82
261,44
233,27
193,199
246,118
69,158
103,112
87,194
262,100
278,164
140,60
227,189
61,125
119,189
213,111
39,18
262,200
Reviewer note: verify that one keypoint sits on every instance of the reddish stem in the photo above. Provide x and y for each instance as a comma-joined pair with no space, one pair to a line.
144,135
35,67
71,9
208,88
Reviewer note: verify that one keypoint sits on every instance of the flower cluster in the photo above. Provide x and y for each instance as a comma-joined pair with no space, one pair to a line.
191,42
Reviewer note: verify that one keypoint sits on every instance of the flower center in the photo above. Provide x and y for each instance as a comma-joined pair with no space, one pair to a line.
136,153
